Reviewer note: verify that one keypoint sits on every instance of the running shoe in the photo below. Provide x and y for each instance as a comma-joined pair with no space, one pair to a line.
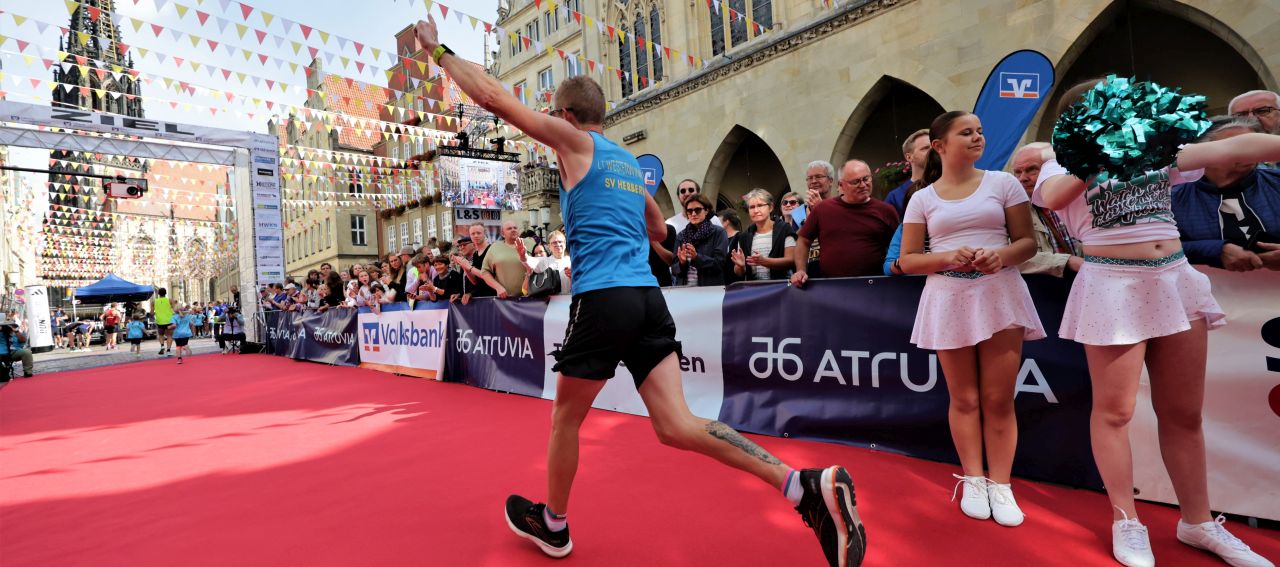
525,519
829,507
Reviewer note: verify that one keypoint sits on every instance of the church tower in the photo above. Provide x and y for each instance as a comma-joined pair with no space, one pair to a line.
95,73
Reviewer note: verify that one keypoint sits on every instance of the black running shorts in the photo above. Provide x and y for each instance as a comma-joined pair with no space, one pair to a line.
619,324
108,328
135,341
181,341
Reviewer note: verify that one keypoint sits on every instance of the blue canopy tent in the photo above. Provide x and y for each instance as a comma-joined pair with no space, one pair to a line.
112,289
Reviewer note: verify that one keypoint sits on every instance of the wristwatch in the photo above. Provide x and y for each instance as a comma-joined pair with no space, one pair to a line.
439,52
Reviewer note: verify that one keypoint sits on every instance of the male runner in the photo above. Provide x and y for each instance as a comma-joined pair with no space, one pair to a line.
618,314
163,311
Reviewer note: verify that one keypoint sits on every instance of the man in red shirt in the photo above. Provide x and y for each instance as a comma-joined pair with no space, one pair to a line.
855,229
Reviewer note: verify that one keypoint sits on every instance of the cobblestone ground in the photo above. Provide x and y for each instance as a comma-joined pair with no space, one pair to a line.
60,360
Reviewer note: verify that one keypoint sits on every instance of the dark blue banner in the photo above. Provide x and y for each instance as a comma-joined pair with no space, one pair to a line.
1013,93
834,362
497,344
328,337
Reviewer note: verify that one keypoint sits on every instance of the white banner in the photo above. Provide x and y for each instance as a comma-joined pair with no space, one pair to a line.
1241,406
268,245
39,327
404,342
698,316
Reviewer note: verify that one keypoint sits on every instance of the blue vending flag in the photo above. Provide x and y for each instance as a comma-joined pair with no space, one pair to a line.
1014,91
651,166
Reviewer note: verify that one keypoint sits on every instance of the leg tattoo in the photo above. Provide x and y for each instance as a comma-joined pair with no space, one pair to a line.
728,435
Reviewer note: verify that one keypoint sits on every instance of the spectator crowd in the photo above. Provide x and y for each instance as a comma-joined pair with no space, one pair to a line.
835,228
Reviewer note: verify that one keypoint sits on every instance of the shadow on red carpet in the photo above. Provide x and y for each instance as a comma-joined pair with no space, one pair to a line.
257,460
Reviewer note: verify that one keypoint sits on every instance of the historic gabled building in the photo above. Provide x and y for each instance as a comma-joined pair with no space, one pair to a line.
324,180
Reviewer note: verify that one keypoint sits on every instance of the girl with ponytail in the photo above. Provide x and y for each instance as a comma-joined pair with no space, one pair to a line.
975,310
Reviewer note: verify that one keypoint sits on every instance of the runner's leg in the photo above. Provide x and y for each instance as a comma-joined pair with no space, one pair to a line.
676,426
572,403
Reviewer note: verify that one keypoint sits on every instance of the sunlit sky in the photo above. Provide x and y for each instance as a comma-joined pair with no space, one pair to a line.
372,23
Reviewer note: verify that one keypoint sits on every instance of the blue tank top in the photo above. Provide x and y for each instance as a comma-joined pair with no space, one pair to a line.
604,222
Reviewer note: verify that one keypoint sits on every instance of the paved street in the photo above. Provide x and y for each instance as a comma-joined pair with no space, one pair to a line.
59,360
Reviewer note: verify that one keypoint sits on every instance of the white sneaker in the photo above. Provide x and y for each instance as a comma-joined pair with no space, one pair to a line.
1214,537
1130,543
975,503
1004,509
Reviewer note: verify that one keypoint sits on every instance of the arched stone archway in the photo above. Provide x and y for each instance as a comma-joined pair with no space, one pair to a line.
890,111
1122,40
664,200
743,162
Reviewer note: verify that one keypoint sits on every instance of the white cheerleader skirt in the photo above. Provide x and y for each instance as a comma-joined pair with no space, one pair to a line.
1117,301
962,309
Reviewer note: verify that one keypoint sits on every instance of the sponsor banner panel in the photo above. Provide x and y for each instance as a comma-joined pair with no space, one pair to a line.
696,312
328,337
834,362
404,342
1241,417
498,345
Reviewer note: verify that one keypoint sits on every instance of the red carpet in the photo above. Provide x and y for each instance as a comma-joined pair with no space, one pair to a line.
257,460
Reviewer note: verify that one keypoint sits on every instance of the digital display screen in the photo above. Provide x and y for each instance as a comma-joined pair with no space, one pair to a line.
481,183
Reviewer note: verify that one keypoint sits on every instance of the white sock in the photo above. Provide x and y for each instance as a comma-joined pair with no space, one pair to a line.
791,487
554,523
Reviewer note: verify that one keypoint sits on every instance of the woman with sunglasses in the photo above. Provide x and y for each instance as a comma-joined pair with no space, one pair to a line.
701,247
790,200
685,190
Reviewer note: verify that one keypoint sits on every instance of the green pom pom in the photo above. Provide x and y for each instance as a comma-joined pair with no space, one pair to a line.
1124,128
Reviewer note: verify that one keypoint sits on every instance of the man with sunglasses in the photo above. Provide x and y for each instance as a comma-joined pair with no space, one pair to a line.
618,314
686,190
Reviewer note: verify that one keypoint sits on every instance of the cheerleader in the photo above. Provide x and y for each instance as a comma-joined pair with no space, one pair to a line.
975,310
1137,301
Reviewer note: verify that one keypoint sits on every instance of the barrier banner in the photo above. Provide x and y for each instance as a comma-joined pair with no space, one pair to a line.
497,344
696,312
403,341
328,337
1241,418
834,362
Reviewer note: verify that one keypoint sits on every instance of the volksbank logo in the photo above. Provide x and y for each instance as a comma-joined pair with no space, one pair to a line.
268,160
1019,85
376,335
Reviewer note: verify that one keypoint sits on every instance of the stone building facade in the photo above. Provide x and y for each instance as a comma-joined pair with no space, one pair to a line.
854,81
779,83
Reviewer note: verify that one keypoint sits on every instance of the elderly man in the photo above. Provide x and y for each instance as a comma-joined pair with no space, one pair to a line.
1056,251
1230,218
818,177
685,190
1262,105
855,229
499,269
915,151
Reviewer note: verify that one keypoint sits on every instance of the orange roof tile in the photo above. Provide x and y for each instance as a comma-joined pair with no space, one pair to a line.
354,100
